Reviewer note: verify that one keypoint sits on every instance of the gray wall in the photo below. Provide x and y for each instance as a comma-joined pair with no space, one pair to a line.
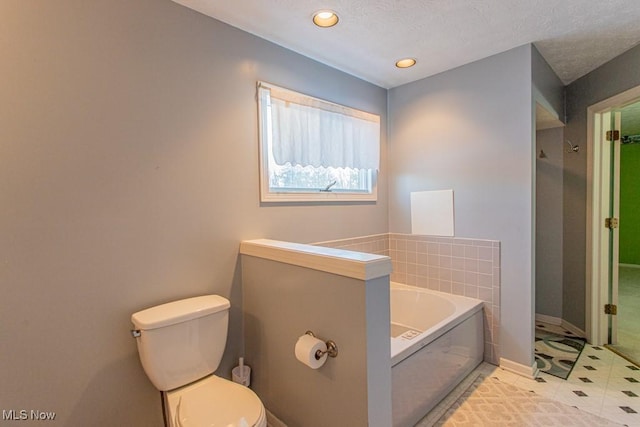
128,177
548,91
549,222
470,129
281,303
548,88
615,76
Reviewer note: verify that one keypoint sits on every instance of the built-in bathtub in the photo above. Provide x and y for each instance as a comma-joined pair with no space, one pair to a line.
436,341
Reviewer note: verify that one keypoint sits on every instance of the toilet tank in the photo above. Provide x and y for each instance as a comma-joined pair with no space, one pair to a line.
182,341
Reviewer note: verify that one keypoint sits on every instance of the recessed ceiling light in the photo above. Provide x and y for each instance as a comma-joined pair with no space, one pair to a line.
405,63
325,18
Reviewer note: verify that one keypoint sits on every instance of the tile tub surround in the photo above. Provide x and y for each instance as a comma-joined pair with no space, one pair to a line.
376,244
468,267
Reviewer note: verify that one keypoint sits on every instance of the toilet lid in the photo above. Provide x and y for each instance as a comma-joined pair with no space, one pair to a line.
215,402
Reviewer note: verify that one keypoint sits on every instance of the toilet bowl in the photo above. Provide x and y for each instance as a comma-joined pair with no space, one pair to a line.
200,404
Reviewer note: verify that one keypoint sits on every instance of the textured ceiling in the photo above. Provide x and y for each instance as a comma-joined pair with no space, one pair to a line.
574,36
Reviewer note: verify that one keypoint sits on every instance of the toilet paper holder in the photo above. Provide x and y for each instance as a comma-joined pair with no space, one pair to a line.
331,351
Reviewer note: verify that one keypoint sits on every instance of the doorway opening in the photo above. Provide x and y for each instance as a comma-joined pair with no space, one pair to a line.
613,232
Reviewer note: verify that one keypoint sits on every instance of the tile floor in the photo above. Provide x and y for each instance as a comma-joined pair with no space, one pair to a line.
629,312
488,401
601,383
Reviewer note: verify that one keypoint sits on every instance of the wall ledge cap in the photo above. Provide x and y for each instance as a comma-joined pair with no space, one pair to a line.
357,265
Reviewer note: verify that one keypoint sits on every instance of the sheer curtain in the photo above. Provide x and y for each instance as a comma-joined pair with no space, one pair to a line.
309,131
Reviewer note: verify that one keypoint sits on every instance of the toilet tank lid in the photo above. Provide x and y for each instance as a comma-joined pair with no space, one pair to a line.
179,311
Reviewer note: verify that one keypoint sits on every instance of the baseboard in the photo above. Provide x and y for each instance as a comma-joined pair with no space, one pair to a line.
629,265
548,319
573,328
562,323
530,372
273,421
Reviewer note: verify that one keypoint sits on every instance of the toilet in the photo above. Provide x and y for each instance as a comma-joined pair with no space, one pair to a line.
180,345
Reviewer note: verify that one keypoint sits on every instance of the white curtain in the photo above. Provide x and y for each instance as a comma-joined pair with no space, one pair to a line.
309,131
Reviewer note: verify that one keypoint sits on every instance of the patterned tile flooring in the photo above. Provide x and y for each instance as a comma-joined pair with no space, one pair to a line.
490,402
601,383
629,313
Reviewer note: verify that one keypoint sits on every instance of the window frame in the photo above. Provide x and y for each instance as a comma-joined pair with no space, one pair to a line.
268,195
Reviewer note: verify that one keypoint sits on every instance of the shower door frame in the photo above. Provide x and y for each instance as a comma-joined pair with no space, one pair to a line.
598,200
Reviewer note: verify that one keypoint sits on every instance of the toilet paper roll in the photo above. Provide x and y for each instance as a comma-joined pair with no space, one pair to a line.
306,348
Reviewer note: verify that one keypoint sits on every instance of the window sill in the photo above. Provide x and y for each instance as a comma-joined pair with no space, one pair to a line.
320,196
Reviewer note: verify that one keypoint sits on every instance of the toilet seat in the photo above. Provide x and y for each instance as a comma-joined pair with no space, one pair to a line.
215,402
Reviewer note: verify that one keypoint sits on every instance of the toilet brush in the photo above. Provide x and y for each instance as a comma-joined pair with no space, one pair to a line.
241,374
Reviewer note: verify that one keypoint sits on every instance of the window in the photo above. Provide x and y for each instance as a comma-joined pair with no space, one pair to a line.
314,150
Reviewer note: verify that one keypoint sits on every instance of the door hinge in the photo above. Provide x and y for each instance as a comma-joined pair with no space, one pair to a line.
611,223
613,135
611,309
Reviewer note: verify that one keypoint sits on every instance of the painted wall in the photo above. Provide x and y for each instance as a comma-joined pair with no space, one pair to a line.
128,177
281,303
548,92
549,222
612,78
471,129
548,89
629,204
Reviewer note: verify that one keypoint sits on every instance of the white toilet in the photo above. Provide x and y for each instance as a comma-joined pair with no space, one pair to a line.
180,345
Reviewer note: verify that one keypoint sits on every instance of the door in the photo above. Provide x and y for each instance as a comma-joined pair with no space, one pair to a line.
623,286
611,173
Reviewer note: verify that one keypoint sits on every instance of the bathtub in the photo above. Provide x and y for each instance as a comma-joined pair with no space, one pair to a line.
436,340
